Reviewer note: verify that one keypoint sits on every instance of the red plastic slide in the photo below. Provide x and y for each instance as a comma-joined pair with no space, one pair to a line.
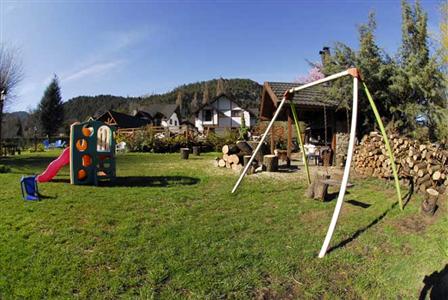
54,167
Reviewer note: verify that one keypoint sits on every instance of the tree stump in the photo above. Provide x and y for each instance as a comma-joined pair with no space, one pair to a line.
429,205
184,153
326,158
196,150
246,159
271,162
318,189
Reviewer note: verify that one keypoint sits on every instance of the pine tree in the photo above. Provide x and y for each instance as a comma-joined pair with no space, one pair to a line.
417,82
376,69
342,59
19,132
220,89
195,102
205,94
51,110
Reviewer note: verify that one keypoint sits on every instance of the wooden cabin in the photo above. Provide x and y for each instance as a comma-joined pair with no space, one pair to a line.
322,116
122,121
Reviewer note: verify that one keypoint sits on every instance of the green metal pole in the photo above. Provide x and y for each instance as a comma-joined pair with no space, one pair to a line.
386,141
299,137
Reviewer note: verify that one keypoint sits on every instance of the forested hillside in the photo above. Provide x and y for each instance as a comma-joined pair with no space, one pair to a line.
191,95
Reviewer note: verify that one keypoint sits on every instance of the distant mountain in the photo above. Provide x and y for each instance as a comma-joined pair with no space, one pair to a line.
82,107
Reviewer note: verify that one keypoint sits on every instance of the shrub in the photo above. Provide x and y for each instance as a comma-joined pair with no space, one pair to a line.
4,169
40,148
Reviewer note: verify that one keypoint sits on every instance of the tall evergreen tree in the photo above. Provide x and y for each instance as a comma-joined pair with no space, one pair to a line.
377,69
195,102
417,82
50,108
205,94
342,59
220,89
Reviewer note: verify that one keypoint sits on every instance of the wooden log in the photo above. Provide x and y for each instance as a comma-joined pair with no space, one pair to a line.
184,153
429,205
221,163
225,157
237,167
230,149
196,150
436,176
228,165
244,147
235,159
270,161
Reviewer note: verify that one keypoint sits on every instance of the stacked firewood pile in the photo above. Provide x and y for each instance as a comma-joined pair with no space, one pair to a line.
235,156
423,165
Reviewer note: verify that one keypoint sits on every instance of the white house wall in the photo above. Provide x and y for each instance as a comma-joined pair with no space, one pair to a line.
174,120
222,115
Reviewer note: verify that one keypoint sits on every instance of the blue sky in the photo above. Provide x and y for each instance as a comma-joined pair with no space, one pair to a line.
141,47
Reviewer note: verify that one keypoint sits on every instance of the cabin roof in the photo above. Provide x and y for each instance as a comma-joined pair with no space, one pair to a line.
160,110
313,96
122,120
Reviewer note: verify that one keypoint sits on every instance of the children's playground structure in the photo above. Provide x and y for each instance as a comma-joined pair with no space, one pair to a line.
91,156
288,97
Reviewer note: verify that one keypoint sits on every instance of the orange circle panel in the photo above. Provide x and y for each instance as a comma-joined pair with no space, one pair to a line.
86,160
82,174
81,145
87,131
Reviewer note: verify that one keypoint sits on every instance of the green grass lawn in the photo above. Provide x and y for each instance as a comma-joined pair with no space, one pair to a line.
171,229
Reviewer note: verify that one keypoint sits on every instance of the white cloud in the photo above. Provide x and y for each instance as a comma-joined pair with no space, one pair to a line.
93,70
125,39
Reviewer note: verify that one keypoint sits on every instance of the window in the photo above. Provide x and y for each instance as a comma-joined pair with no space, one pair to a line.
175,123
237,113
208,115
171,122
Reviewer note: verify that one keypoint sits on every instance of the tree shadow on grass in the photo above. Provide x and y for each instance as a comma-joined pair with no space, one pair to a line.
406,199
362,230
150,181
29,162
437,283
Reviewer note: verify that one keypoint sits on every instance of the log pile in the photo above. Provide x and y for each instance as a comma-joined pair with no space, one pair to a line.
423,165
235,156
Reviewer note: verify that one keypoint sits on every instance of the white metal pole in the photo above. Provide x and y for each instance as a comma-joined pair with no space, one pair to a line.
351,146
246,167
328,78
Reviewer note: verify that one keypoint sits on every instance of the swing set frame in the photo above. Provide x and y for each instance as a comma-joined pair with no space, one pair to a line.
288,95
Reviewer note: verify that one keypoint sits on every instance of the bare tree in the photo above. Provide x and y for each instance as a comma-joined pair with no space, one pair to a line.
10,76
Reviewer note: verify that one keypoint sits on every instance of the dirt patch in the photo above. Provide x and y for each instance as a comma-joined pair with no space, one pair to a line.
278,289
414,224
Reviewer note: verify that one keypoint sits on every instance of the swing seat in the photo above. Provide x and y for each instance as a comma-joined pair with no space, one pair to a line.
29,188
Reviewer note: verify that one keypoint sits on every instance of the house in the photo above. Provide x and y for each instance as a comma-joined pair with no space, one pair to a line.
144,116
165,115
121,120
323,117
222,112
